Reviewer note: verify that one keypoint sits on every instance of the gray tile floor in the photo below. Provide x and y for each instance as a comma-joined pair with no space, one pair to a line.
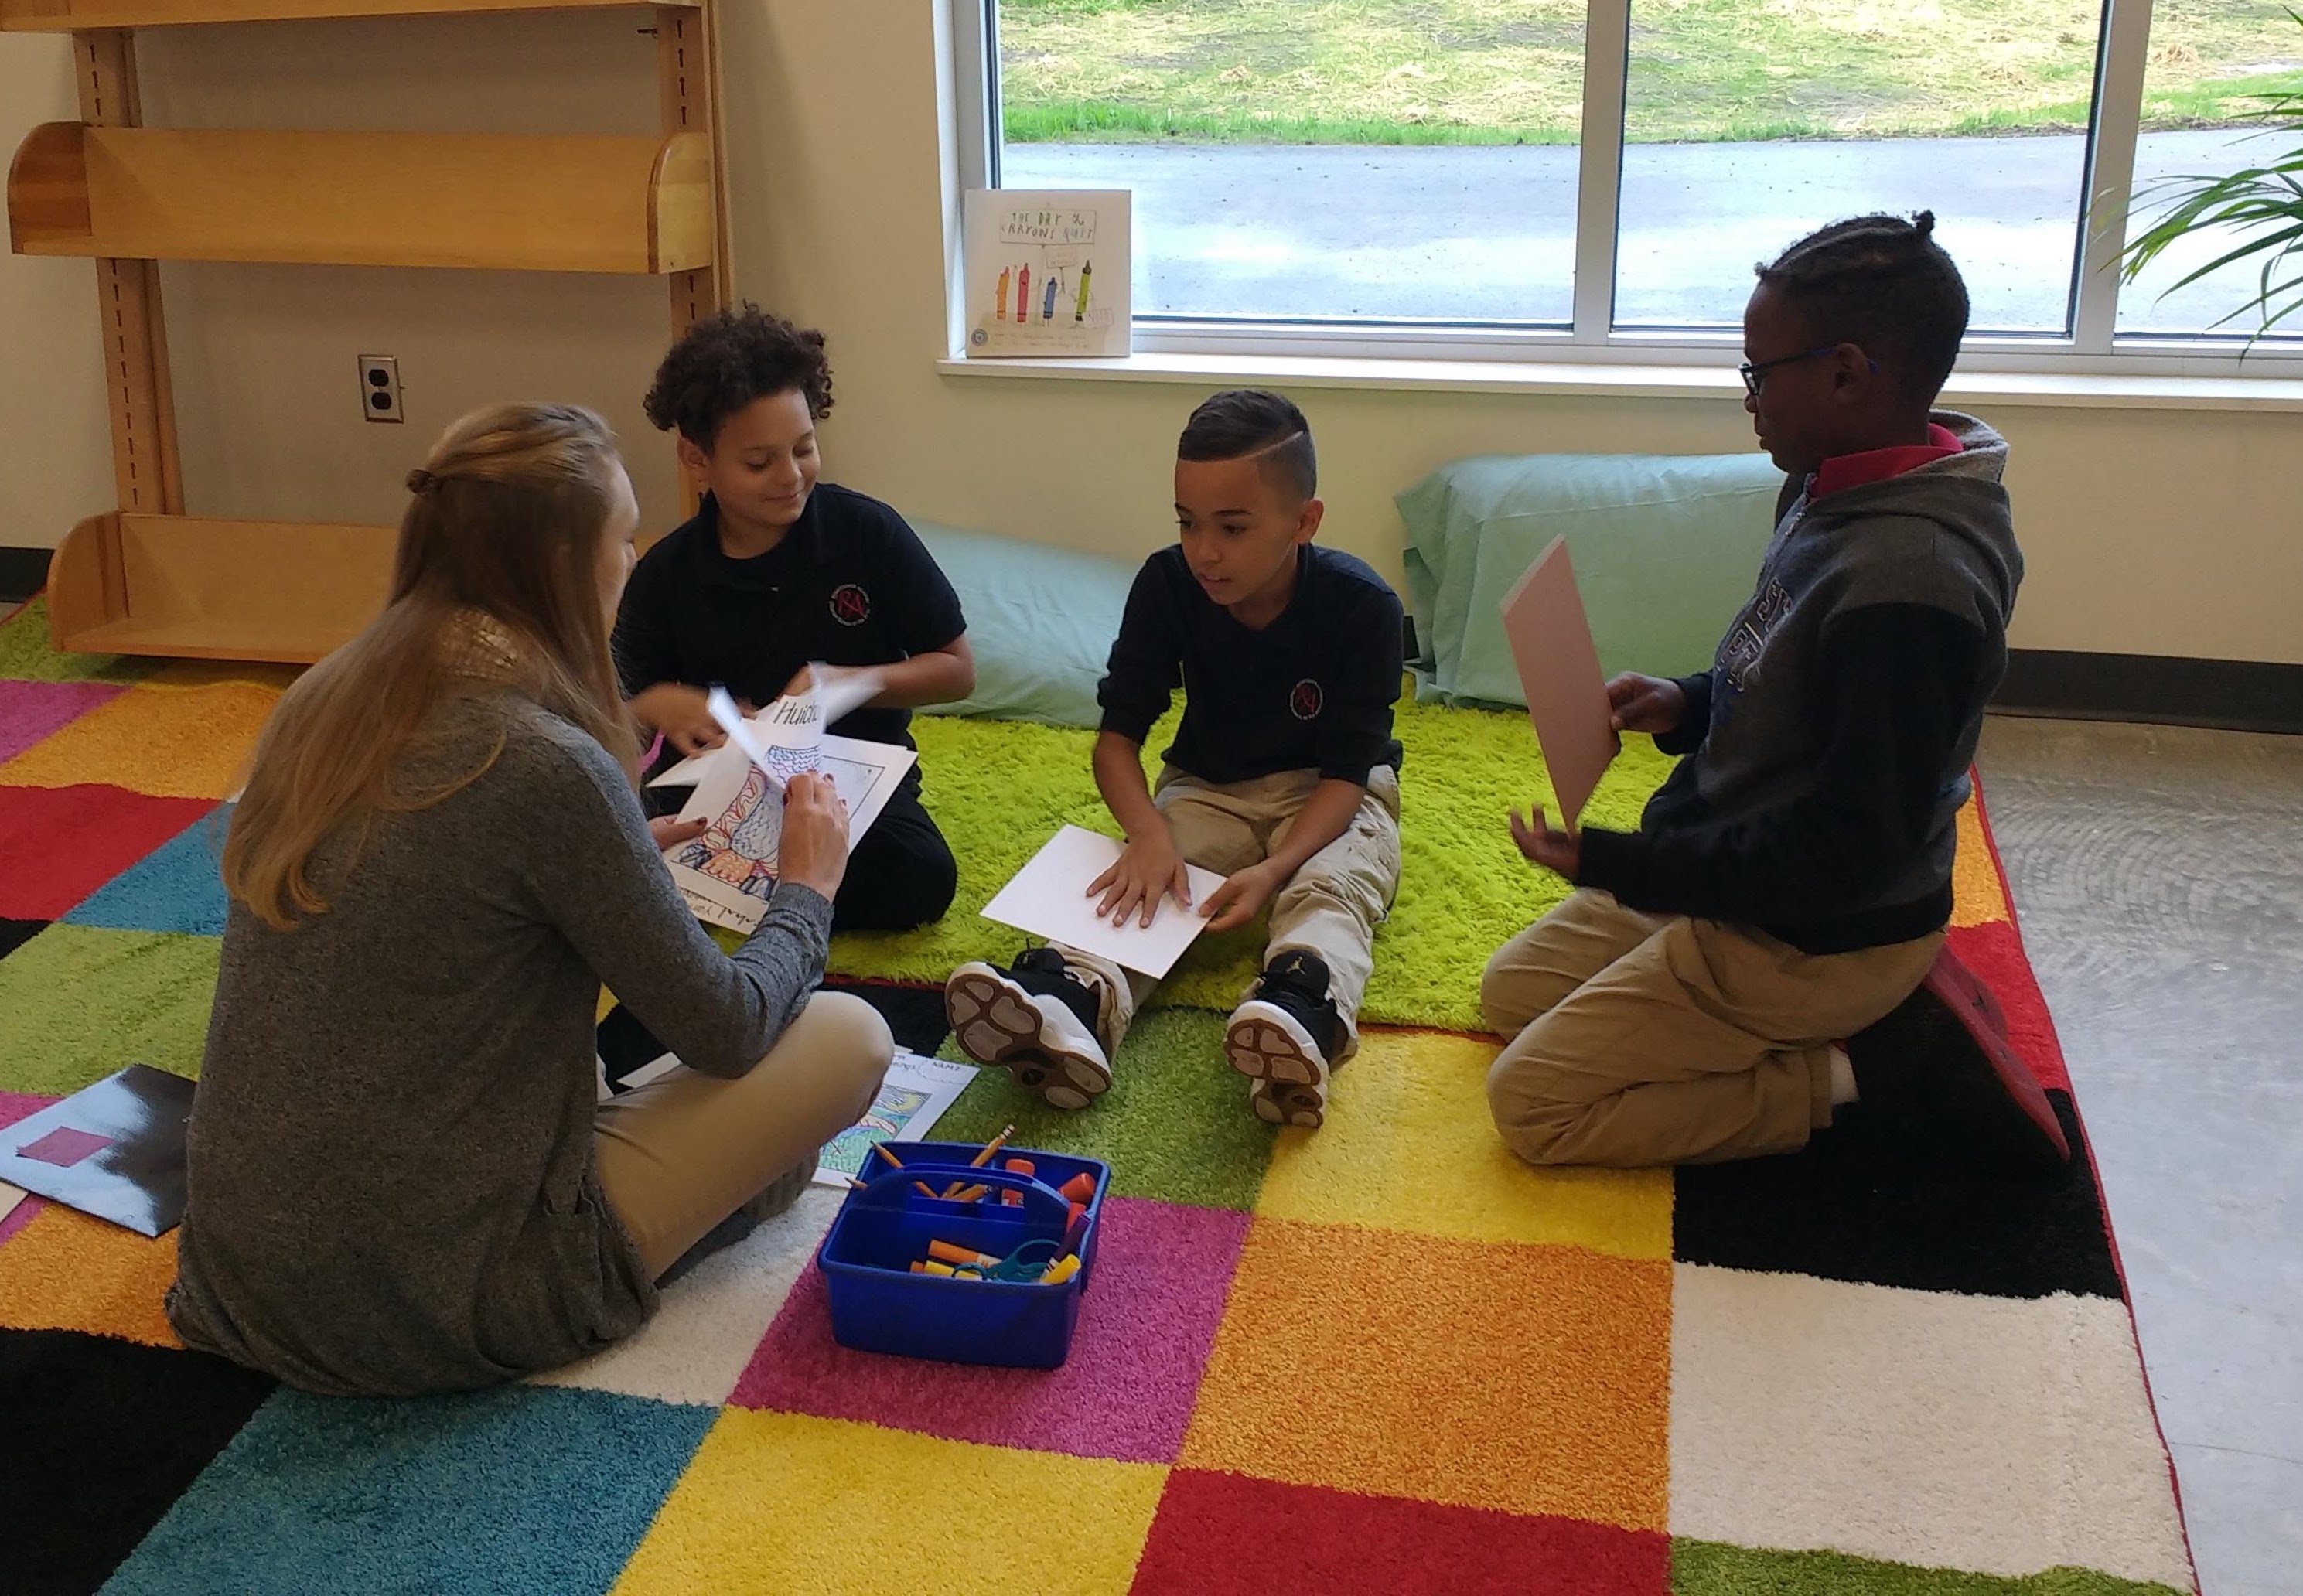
2158,874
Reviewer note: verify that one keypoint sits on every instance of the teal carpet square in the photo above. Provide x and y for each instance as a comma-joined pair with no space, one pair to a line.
517,1491
177,886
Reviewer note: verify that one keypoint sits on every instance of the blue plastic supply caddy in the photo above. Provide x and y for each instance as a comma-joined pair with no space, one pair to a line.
878,1306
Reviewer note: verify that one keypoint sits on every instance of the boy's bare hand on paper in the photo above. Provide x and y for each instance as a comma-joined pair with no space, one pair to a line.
812,850
1649,704
678,711
1555,850
668,832
1147,868
1241,894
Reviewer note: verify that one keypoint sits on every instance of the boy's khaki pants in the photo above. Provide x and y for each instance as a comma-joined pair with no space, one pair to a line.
1636,1039
1330,907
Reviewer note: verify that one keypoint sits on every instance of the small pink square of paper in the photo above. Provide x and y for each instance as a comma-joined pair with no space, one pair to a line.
64,1147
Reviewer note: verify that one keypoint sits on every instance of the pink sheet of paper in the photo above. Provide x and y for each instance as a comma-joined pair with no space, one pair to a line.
1550,640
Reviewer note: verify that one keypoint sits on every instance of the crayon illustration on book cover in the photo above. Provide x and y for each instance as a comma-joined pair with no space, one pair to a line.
1047,272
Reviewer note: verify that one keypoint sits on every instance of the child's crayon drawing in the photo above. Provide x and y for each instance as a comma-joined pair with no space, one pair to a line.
912,1097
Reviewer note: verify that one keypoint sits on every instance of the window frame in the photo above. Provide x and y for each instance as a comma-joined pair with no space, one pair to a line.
2094,345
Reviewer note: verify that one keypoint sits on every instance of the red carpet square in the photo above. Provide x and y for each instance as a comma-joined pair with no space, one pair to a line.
1219,1534
59,844
1533,1379
1145,1326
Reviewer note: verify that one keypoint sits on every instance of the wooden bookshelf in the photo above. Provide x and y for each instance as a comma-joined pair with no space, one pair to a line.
73,16
216,589
505,201
147,577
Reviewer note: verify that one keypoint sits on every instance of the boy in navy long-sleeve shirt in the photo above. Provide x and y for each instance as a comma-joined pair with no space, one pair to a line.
1769,946
1284,776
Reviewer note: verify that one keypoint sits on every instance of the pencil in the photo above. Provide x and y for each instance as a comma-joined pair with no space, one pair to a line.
991,1150
881,1149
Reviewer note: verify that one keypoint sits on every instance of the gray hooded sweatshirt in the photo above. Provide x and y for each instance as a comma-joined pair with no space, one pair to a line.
1831,738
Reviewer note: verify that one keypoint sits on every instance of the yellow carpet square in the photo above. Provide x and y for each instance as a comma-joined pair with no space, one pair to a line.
1527,1379
65,1271
1977,896
775,1503
1409,1145
170,742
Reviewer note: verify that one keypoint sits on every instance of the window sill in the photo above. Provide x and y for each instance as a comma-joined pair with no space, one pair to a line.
2054,391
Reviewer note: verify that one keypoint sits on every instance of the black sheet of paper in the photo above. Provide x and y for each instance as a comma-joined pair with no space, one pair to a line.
114,1150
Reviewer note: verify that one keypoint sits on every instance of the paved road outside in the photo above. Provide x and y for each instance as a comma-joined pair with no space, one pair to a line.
1488,233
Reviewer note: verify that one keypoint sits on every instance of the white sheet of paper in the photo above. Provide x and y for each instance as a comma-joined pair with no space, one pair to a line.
730,719
842,690
911,1099
1049,898
1558,665
10,1197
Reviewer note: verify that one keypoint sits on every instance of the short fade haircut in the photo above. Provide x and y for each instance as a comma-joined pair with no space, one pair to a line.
725,361
1241,422
1883,284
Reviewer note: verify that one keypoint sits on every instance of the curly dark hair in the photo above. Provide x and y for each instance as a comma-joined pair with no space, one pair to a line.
1885,285
727,361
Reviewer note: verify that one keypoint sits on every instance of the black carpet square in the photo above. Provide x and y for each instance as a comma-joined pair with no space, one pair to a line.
1851,1208
15,933
915,1014
102,1437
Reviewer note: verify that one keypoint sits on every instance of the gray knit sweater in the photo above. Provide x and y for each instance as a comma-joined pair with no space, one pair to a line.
392,1184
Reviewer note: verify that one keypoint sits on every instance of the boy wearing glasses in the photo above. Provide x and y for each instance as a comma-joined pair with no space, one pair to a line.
1769,946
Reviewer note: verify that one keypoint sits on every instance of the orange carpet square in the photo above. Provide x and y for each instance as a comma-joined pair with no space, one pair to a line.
1977,896
1527,1378
65,1271
169,742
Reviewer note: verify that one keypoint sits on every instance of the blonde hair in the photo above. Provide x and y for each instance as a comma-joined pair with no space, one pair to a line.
495,584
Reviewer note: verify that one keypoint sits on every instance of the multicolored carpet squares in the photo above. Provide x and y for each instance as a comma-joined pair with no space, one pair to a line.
1381,1357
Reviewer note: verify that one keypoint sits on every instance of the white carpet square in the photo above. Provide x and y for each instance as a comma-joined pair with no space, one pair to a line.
712,1318
1996,1435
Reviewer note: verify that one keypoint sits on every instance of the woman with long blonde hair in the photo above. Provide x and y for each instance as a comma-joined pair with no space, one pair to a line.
400,1179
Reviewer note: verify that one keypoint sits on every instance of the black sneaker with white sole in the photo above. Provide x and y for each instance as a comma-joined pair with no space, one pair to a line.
1037,1020
1284,1037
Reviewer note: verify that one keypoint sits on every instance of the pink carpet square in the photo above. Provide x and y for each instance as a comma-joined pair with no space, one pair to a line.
31,710
1162,1271
15,1106
64,1147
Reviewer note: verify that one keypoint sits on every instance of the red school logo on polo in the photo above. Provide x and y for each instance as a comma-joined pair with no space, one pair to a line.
850,604
1305,700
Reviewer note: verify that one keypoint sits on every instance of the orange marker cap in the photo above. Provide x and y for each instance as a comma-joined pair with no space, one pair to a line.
1080,1188
950,1253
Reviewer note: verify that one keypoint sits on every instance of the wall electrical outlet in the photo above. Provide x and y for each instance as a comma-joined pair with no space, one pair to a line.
380,388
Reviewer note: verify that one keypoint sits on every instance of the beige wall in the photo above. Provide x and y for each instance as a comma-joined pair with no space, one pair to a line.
55,454
2165,532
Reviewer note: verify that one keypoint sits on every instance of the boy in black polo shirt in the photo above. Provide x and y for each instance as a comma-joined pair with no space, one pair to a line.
1284,775
777,569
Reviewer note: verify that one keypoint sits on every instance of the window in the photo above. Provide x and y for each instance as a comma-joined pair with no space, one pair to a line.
1572,175
2210,65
